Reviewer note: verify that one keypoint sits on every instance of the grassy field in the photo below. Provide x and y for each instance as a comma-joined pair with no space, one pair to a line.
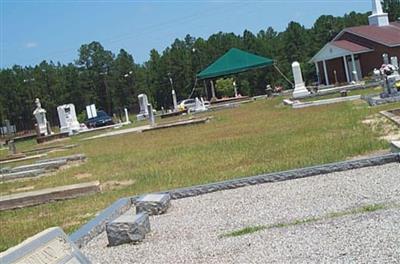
255,138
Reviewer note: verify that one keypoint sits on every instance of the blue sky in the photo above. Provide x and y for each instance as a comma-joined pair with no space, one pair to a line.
34,30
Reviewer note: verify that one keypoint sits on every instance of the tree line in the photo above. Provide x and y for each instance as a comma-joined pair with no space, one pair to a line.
113,81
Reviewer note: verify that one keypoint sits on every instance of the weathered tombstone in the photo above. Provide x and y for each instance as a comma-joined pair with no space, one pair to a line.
11,147
42,126
394,61
268,91
68,121
152,119
300,89
143,102
50,246
128,228
153,204
385,58
8,126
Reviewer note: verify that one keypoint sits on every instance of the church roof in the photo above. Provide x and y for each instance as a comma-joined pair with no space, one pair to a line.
385,35
350,46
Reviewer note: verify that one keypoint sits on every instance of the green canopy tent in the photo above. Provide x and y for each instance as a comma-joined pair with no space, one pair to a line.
234,61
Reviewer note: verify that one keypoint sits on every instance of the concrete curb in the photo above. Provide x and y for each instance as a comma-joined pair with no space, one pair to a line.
284,175
97,225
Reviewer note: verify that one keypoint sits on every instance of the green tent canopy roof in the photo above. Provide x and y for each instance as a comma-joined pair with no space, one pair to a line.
234,61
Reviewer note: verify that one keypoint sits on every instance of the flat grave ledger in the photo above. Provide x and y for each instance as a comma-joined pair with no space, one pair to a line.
20,200
7,176
49,246
45,165
153,204
127,228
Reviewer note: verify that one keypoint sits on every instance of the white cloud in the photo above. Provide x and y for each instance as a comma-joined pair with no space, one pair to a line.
31,45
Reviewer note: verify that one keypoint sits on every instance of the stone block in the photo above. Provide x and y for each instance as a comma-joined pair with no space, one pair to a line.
50,246
128,228
153,204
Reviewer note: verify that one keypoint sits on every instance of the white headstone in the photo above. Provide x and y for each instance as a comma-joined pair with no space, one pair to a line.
378,18
41,120
174,100
91,111
68,121
394,61
143,102
300,89
126,116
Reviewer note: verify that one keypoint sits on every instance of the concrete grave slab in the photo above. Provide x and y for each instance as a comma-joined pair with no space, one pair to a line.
20,200
76,157
50,246
128,228
153,204
23,158
21,174
326,101
45,165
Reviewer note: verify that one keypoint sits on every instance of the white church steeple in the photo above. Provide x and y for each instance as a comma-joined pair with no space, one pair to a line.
378,18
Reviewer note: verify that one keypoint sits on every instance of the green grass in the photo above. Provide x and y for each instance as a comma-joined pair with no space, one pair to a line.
255,138
361,210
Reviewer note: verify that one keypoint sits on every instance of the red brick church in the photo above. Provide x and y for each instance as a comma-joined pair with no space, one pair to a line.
355,52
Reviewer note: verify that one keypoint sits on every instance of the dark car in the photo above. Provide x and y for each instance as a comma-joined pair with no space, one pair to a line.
102,119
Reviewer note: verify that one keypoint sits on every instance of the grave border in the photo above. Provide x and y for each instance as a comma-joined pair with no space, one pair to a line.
97,225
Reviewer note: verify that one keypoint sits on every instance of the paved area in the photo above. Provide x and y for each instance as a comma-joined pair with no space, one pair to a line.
190,231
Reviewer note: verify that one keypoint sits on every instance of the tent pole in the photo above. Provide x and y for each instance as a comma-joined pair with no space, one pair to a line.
205,88
213,91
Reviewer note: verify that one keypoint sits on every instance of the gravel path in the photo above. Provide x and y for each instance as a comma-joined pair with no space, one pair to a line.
189,232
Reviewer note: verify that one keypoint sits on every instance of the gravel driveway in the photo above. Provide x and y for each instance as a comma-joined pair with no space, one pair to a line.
190,231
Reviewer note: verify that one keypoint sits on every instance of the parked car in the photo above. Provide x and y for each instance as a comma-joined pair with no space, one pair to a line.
190,105
102,119
187,104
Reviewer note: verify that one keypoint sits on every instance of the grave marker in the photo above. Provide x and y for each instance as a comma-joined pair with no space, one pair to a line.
50,246
143,102
20,200
68,121
153,204
128,228
300,89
